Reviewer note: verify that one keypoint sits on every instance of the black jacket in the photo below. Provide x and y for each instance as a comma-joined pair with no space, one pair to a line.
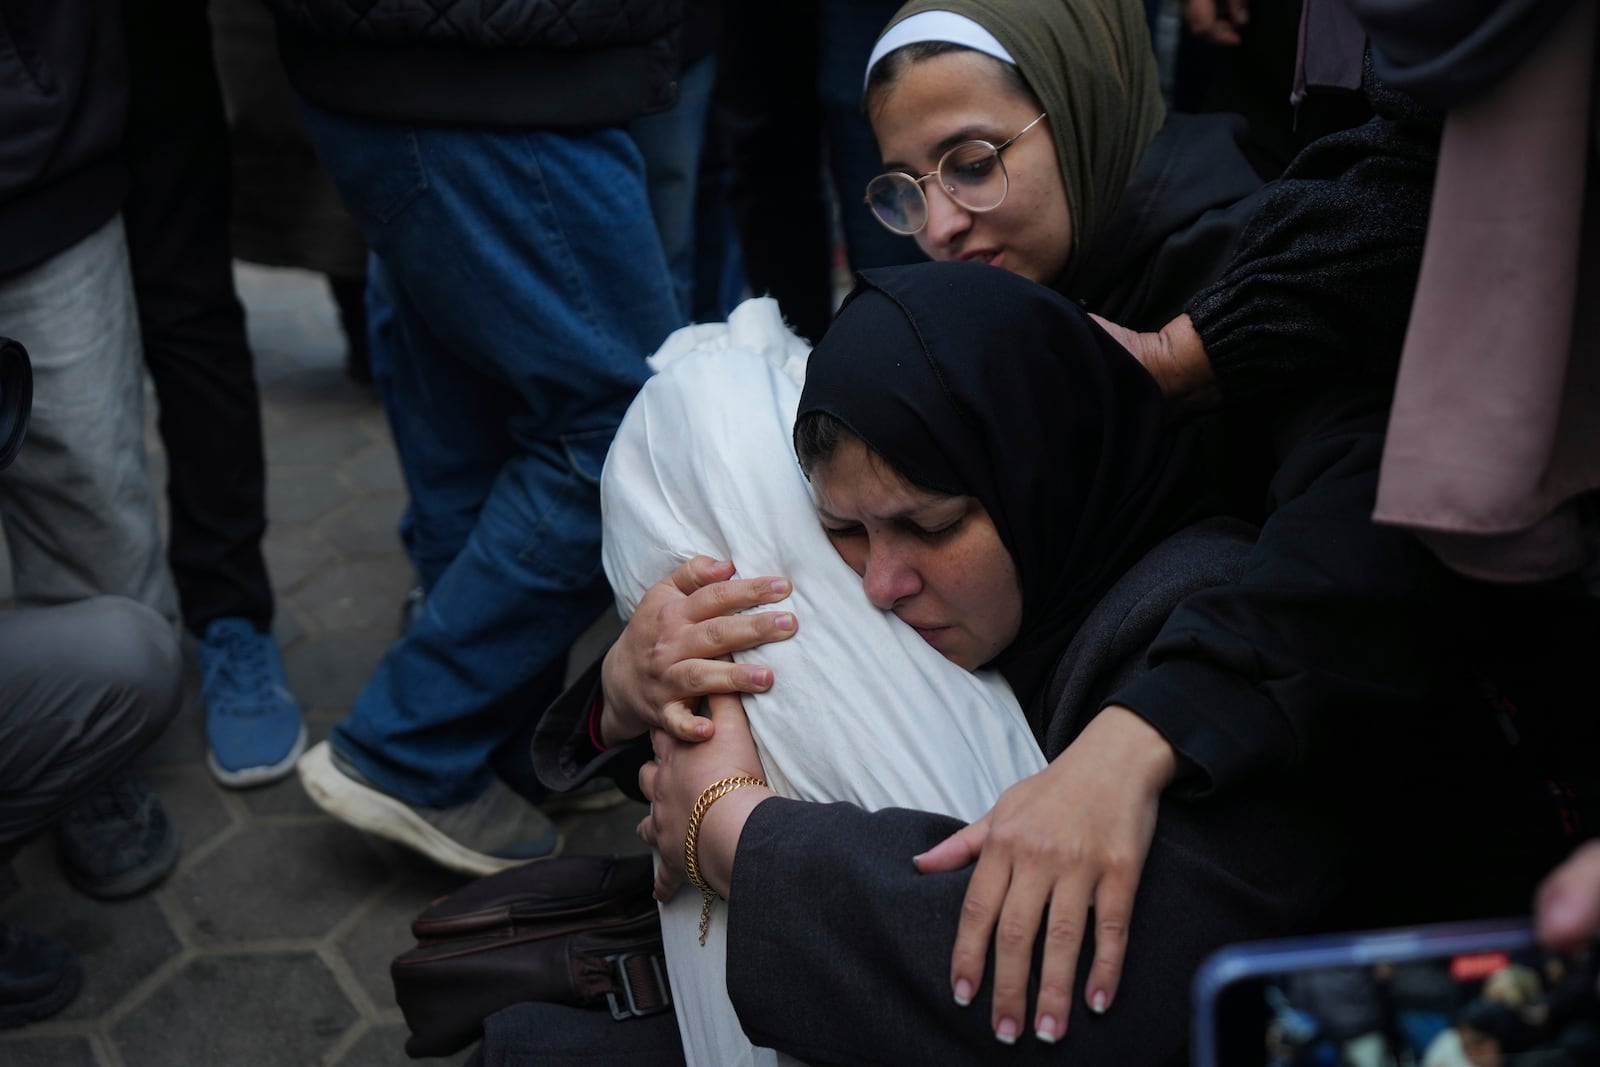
63,106
528,64
1295,285
1319,291
1176,224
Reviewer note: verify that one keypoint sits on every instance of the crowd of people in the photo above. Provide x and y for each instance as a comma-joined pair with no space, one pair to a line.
1534,1008
1000,644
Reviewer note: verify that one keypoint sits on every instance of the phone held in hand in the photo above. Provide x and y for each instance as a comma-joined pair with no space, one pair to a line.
1479,994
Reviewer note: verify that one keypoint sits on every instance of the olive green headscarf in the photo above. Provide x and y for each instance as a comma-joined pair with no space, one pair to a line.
1090,64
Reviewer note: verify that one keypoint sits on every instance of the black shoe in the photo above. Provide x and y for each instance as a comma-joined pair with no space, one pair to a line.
37,977
118,841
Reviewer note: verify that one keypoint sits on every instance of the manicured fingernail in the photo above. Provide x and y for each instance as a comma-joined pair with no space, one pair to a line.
1045,1029
779,585
1098,1002
783,621
963,992
761,676
1006,1033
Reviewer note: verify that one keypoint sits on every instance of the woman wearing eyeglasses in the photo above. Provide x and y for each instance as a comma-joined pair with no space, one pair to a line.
1230,291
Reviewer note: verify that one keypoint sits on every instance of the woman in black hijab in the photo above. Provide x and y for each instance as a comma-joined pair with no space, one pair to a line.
968,384
994,466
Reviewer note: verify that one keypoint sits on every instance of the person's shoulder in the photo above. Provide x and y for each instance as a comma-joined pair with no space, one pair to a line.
1110,646
1206,553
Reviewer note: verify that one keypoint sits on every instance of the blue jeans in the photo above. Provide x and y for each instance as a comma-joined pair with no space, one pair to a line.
526,284
380,360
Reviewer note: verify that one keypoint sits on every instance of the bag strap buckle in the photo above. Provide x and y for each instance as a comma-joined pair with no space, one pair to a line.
642,978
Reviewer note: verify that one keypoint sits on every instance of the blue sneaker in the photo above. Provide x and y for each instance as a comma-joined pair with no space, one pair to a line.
254,733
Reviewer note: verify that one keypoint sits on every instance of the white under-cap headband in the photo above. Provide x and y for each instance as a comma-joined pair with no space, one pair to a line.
944,26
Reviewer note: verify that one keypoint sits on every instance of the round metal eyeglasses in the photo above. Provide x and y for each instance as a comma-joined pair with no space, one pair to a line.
972,174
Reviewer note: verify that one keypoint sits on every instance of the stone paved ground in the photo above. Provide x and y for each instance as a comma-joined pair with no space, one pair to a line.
269,945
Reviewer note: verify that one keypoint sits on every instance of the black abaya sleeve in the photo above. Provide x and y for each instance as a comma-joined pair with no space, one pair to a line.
1333,638
1319,288
564,757
839,951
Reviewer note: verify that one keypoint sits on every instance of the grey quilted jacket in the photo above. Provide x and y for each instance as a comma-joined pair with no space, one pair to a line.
546,64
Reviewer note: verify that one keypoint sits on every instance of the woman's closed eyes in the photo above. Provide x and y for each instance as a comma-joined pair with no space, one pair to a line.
932,535
933,559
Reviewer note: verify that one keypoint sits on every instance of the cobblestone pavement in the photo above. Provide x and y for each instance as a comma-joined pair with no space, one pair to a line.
270,943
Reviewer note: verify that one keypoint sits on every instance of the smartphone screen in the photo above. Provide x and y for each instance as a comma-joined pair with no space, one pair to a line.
1473,995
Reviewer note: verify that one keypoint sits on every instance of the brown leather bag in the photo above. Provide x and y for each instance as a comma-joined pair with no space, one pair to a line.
576,930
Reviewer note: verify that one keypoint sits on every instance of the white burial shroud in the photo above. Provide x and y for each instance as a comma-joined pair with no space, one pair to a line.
863,710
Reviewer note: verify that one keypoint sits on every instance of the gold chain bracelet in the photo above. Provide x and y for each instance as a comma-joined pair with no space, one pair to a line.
691,841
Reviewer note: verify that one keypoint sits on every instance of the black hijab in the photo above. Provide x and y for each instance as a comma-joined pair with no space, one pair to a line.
973,381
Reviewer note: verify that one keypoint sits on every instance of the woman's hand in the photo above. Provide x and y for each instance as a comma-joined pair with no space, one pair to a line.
674,782
1566,909
1072,837
1216,21
675,648
1176,358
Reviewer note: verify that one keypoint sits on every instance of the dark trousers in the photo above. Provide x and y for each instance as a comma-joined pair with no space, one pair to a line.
190,318
796,131
768,97
554,1035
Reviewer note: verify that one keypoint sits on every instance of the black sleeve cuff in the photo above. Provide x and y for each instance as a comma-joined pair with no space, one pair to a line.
1223,731
564,755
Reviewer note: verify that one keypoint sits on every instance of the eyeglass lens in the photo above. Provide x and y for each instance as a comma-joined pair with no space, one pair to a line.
971,174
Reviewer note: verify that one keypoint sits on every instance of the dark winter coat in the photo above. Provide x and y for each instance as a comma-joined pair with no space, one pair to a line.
63,107
531,64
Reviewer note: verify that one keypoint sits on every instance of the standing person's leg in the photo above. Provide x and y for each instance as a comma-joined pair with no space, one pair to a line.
719,282
849,30
671,143
1152,13
527,287
190,317
380,325
78,505
378,314
767,87
350,297
194,344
